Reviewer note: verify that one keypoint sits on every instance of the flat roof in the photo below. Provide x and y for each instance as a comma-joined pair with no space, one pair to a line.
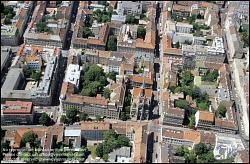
72,133
11,79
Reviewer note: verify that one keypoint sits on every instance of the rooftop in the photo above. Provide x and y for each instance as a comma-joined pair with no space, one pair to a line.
206,116
73,74
90,125
17,107
140,79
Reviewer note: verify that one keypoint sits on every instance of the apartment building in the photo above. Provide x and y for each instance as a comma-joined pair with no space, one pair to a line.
143,49
174,116
17,112
172,54
196,53
180,137
11,34
73,74
45,91
141,103
204,120
233,41
34,62
57,24
138,80
110,61
94,131
184,27
94,106
129,7
180,10
101,31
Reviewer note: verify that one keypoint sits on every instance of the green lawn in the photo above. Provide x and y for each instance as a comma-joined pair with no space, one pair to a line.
92,150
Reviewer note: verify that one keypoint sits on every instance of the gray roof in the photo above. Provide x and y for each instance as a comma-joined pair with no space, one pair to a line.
119,18
121,152
15,94
12,79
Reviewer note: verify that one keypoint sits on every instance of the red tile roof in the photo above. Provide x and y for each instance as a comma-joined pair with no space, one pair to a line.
17,107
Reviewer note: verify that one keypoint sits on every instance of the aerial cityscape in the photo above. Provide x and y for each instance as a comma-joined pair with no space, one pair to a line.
124,81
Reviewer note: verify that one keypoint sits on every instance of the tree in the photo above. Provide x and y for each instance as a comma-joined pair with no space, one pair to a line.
28,137
83,116
87,32
181,104
203,105
191,123
181,151
44,119
98,117
105,18
172,88
141,32
71,114
200,149
196,92
36,75
206,158
130,19
105,157
42,27
94,88
63,119
190,157
122,140
99,150
187,78
112,44
210,76
199,16
221,111
112,75
106,93
177,45
109,134
7,21
85,92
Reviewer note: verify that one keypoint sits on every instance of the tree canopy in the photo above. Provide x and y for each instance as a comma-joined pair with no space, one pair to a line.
141,32
221,111
36,75
94,81
183,104
83,116
112,75
112,43
87,32
187,78
63,119
102,16
106,93
210,76
130,19
45,119
71,114
28,137
181,151
111,141
42,27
